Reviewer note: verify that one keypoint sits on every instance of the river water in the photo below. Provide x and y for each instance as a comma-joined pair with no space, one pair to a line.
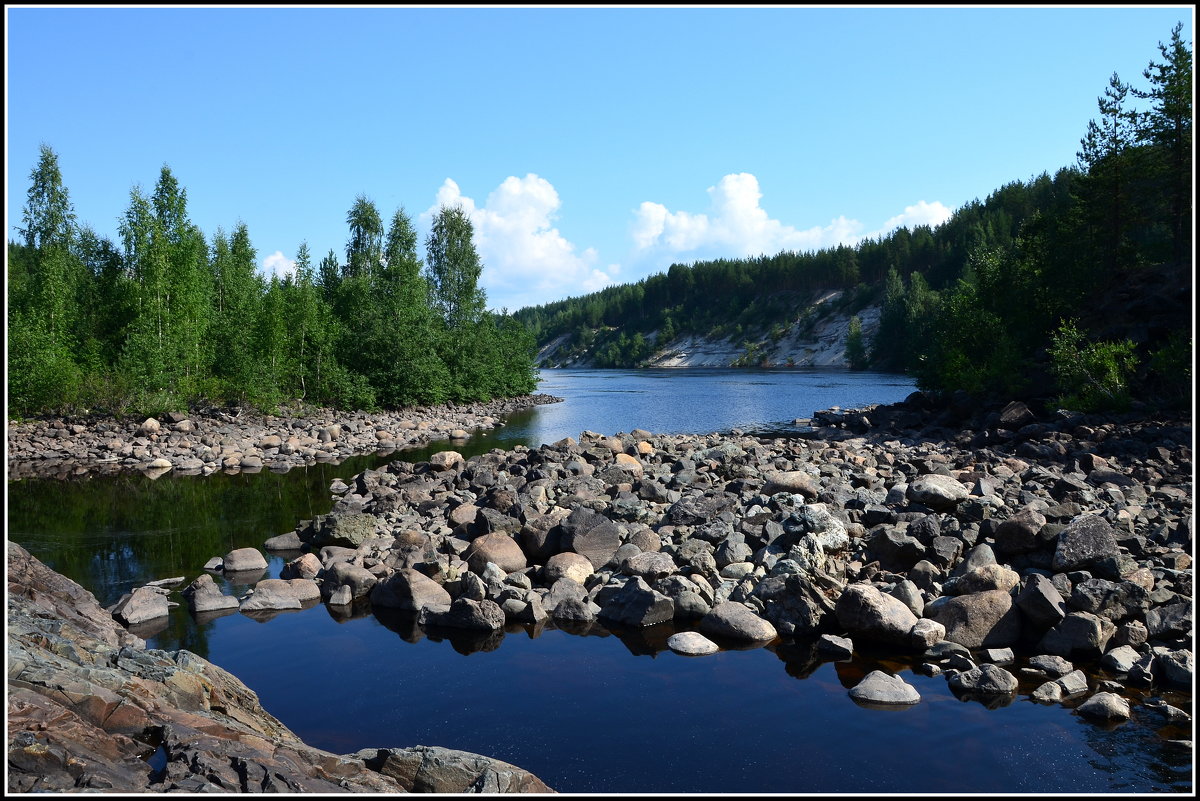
602,713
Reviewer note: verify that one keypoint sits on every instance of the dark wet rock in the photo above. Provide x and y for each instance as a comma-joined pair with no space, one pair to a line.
1169,620
637,604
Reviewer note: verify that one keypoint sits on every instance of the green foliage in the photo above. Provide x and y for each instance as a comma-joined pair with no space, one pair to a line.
856,349
1170,369
168,320
1091,375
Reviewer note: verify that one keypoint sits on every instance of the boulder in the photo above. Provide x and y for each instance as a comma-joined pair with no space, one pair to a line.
863,610
271,594
938,492
409,589
432,769
980,620
568,564
204,595
141,605
691,643
591,534
878,687
465,613
1086,541
501,549
243,559
637,604
736,621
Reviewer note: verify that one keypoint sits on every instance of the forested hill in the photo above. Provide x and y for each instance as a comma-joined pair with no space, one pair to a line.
1080,281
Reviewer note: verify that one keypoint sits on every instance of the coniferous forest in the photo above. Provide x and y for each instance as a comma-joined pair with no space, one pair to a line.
169,319
1080,281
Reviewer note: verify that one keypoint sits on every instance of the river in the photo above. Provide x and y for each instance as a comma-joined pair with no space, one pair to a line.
601,713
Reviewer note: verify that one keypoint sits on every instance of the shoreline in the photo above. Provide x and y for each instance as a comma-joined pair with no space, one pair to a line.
987,544
201,443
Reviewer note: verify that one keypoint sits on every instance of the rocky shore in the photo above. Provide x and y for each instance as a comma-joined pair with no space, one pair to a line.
90,708
1010,550
204,442
997,547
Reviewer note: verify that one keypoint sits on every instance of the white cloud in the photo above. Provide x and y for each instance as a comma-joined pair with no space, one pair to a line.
526,259
738,226
278,264
931,214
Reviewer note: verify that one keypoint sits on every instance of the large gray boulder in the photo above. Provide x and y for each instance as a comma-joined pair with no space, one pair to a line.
863,610
980,620
432,769
1041,602
591,534
241,560
1078,634
736,621
359,580
938,492
204,595
498,548
410,590
271,595
567,564
464,613
985,679
1086,542
141,605
637,604
878,687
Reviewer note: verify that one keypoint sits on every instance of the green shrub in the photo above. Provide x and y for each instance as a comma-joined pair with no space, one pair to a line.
1170,369
1092,376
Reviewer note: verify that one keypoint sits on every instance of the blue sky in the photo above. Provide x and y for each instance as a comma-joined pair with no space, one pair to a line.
591,145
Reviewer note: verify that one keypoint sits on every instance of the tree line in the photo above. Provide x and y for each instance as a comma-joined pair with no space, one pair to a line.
1035,286
166,318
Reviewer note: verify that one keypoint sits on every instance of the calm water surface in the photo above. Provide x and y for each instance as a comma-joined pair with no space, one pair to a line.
606,712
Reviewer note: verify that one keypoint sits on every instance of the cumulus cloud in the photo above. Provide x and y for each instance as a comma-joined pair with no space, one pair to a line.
931,214
526,259
739,226
278,264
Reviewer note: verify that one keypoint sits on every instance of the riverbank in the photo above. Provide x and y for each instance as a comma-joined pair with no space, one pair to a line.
90,708
813,541
239,440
